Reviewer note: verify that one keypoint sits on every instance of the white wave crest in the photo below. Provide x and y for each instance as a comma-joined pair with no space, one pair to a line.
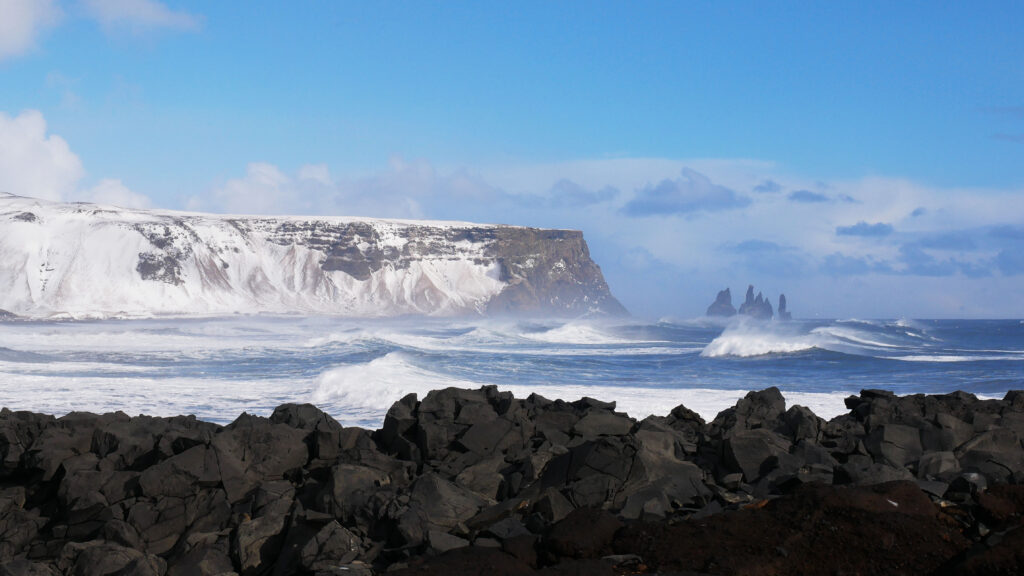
746,340
574,333
362,394
850,335
858,321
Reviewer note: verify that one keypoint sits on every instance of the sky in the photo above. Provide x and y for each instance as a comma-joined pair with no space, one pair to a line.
864,158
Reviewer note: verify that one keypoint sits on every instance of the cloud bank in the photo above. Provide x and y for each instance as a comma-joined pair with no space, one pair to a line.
901,249
866,230
693,192
34,163
140,16
38,164
22,22
807,197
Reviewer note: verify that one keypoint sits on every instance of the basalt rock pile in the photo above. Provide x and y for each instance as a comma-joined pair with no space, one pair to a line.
479,482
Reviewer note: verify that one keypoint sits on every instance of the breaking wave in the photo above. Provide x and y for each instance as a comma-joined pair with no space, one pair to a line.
746,339
572,333
347,391
356,369
748,342
364,392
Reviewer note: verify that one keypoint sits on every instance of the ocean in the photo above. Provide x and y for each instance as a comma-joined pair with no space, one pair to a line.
216,368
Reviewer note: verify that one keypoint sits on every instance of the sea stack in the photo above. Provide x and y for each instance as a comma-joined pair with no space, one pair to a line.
722,306
756,307
784,313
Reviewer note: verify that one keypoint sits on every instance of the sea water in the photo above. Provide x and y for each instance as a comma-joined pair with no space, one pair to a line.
217,368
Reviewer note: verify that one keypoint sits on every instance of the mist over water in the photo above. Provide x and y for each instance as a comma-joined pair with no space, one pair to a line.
217,368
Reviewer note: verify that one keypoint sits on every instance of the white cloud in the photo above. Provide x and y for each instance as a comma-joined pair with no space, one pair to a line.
677,263
113,192
521,195
316,172
693,192
22,21
40,165
265,189
140,15
34,163
401,191
415,189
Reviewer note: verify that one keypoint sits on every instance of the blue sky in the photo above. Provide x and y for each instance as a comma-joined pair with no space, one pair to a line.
865,158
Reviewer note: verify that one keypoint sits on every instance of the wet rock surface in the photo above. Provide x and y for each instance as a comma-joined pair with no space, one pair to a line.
480,482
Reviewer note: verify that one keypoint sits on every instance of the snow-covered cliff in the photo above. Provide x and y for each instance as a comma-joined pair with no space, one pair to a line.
86,260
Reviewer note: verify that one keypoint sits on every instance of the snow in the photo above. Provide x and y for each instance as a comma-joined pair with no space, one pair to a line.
82,261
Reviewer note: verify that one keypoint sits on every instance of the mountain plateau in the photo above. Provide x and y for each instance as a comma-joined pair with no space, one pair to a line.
80,260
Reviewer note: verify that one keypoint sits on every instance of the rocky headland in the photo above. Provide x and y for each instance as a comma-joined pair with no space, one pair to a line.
81,260
480,482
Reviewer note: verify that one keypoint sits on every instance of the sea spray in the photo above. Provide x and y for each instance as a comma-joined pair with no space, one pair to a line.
218,367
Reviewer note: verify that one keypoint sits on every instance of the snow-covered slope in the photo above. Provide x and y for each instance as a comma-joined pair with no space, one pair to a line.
85,260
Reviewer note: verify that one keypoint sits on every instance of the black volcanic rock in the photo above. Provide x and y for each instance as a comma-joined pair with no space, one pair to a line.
784,313
761,308
749,299
758,307
899,485
722,306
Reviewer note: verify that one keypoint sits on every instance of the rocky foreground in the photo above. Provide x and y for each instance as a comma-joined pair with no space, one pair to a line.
479,482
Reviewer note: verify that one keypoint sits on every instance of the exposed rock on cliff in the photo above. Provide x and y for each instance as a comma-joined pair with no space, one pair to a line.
548,271
95,261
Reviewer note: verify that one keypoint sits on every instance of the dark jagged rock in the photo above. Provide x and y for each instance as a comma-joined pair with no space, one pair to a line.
584,533
784,313
752,306
757,307
465,481
888,529
722,306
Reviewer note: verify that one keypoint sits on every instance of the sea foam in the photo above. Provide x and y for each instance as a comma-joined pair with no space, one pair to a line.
346,391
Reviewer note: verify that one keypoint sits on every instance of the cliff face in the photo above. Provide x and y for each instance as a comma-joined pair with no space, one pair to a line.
88,260
548,271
